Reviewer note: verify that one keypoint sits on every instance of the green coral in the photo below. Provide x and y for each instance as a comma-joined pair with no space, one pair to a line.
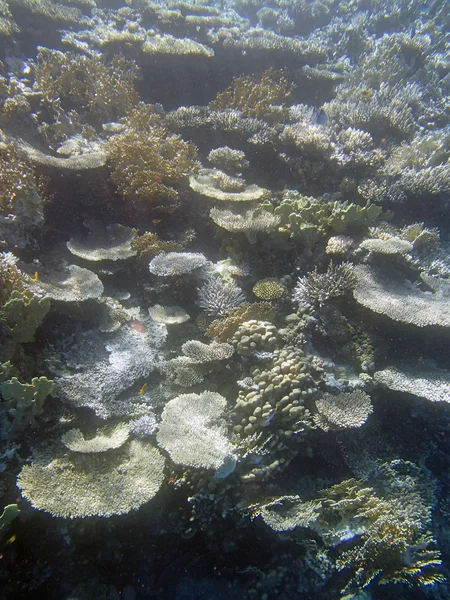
10,512
20,316
309,218
27,394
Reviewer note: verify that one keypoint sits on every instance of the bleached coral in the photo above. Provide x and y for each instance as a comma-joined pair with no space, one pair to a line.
100,373
317,288
176,263
217,297
201,352
68,284
193,431
249,222
401,300
431,384
102,484
107,438
112,242
343,410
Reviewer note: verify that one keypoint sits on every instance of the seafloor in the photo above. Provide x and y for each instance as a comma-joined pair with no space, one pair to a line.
224,300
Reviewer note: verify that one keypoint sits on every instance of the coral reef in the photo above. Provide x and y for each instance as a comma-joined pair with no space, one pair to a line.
224,287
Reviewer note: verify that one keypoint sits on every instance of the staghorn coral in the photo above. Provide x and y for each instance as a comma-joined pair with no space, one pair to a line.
147,161
254,94
391,540
105,91
107,438
401,300
193,431
217,297
340,411
74,485
431,384
317,288
170,264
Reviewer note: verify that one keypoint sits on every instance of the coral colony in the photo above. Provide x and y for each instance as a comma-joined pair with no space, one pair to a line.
224,300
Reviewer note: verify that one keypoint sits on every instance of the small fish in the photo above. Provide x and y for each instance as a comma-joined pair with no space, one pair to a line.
323,522
143,389
319,117
156,221
269,417
12,539
35,276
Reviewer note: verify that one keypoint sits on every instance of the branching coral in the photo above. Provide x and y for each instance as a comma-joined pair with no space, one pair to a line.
147,161
217,297
317,288
21,197
104,90
253,94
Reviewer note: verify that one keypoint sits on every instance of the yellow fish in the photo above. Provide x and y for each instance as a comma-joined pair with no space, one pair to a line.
35,276
12,539
143,389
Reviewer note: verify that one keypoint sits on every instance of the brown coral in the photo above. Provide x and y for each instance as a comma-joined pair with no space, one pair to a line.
88,83
147,162
223,329
254,94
